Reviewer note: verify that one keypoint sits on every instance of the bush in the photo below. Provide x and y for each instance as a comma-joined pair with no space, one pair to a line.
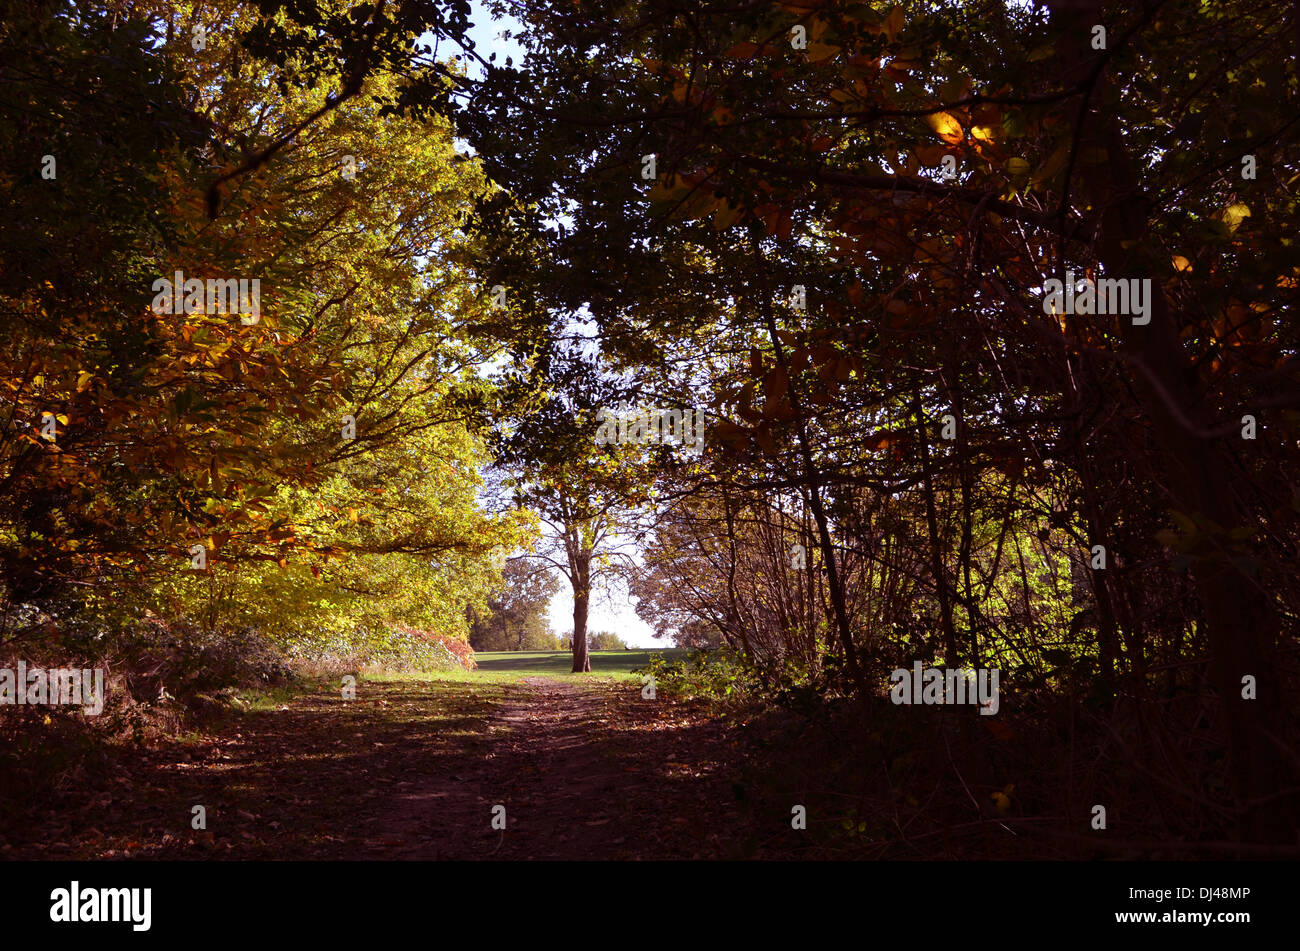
396,648
714,675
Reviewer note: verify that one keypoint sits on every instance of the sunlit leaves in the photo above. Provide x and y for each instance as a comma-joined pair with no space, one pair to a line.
946,126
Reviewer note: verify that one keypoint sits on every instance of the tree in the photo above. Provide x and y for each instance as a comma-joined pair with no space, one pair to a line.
921,172
582,490
516,616
311,466
606,641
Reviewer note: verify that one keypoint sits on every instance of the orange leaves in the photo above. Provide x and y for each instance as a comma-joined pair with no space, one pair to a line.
896,442
1241,325
746,50
777,220
881,439
731,434
978,130
776,396
1000,731
776,385
930,156
749,50
837,368
946,126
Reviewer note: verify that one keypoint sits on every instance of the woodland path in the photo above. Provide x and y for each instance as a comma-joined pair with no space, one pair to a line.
411,770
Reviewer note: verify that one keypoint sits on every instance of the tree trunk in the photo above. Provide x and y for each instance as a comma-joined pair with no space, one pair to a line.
581,600
1241,621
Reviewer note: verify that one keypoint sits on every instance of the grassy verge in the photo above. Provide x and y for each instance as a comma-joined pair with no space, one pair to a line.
618,665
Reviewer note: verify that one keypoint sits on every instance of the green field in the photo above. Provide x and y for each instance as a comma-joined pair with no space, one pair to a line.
552,663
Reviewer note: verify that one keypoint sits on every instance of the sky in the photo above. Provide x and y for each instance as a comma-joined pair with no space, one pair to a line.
609,611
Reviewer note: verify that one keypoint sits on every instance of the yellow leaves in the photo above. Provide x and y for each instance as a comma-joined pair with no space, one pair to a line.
725,215
84,379
893,24
946,126
1053,165
669,188
693,201
818,50
982,134
1181,264
1235,214
1002,800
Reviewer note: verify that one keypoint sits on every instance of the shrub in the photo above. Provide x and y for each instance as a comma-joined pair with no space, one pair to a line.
714,675
396,648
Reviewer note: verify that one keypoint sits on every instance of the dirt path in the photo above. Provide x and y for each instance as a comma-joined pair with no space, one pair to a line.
582,772
413,771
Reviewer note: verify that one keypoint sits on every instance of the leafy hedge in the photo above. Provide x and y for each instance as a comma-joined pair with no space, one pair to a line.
393,648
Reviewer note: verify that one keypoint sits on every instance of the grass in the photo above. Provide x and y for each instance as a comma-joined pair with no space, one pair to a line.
615,664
